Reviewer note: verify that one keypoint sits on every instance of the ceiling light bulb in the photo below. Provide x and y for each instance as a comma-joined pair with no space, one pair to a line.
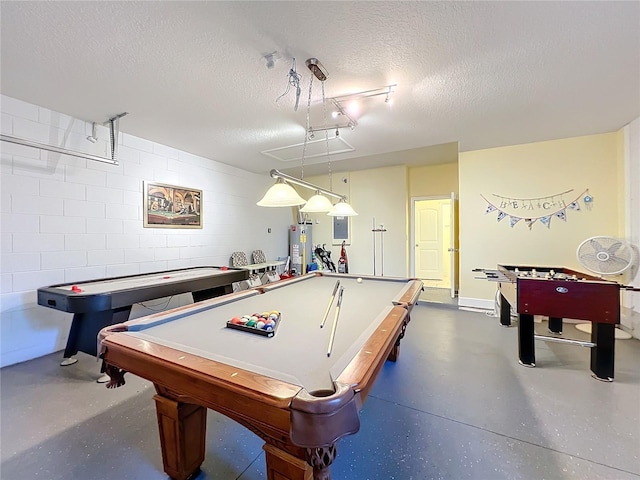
354,107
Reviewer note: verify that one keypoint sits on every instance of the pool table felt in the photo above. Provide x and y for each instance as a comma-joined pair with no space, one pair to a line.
297,354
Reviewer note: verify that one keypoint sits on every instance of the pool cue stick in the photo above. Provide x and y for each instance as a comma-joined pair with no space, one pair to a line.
333,295
335,322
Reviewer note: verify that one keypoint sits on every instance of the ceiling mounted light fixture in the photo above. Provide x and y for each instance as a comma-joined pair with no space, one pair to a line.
284,195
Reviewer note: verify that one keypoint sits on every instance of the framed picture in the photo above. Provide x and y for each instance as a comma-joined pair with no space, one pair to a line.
168,206
341,231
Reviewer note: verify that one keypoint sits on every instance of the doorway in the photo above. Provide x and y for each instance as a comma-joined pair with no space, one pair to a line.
434,253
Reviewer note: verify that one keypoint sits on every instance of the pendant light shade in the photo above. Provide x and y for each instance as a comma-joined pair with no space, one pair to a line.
342,209
317,204
281,194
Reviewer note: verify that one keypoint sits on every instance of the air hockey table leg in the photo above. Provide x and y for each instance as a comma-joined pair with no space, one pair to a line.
526,347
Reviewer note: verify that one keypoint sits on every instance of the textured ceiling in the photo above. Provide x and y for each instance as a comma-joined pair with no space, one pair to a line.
193,75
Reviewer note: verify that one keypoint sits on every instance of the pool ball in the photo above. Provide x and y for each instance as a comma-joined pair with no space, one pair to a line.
359,280
260,325
251,323
236,321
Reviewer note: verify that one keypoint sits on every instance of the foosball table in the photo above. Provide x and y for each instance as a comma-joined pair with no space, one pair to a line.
559,292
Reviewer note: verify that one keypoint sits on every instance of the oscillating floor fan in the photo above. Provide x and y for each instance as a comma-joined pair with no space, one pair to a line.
605,256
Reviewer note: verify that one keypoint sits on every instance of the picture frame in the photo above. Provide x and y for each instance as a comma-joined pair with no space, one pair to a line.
170,206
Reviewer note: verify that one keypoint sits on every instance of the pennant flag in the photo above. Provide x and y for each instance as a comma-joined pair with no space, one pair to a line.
546,221
552,206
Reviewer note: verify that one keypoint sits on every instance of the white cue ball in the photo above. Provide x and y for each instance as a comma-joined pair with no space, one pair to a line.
359,280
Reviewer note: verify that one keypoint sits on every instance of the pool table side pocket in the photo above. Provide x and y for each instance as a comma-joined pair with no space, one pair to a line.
363,369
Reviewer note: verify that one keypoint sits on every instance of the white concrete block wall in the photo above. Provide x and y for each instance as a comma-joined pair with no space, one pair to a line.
65,219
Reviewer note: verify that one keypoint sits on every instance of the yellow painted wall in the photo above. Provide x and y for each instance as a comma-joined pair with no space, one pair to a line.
433,180
381,193
535,170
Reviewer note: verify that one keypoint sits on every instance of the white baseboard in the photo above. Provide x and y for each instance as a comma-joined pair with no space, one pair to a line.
476,303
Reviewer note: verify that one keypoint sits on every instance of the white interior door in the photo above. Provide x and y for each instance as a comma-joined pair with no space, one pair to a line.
428,240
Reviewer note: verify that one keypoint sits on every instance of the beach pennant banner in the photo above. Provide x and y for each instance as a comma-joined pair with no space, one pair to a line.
548,207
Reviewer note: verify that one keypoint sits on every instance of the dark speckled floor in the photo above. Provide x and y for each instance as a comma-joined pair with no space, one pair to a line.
457,405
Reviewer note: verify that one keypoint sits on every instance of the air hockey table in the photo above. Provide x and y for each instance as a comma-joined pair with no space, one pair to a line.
291,390
96,304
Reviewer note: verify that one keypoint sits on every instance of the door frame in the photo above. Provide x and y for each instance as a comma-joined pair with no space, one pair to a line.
454,233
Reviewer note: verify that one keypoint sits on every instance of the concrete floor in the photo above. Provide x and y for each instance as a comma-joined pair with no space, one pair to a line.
456,405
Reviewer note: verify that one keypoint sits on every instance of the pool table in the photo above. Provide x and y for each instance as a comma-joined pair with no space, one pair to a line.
96,304
287,388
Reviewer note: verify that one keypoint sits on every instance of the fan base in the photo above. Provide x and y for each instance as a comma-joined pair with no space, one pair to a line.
620,334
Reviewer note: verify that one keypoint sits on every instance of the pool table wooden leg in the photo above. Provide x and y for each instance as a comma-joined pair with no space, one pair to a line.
321,458
282,465
182,436
395,350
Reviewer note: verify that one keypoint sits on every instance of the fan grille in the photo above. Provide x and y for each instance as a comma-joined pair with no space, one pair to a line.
605,255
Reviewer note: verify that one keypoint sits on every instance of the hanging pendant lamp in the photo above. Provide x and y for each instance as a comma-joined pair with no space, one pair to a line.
318,203
281,194
342,209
